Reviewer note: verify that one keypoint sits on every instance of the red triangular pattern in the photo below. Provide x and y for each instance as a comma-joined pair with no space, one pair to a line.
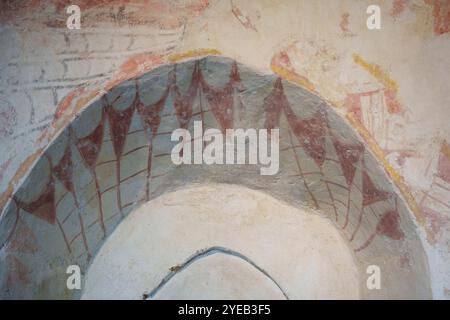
349,156
90,145
311,134
222,100
389,225
64,169
183,103
23,239
44,206
370,193
120,122
274,104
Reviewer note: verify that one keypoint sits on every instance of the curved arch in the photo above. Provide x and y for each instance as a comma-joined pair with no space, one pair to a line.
203,254
116,155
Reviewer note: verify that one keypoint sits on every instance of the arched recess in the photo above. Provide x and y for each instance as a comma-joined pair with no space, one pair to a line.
116,155
223,241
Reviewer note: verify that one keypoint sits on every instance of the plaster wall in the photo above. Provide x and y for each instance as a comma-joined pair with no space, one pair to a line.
300,251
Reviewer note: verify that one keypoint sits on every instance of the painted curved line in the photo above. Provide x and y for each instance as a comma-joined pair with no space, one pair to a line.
205,253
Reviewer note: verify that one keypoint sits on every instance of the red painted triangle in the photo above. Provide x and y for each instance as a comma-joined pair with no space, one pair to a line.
349,156
23,239
90,145
274,103
44,206
370,193
311,134
120,122
222,100
389,225
64,169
